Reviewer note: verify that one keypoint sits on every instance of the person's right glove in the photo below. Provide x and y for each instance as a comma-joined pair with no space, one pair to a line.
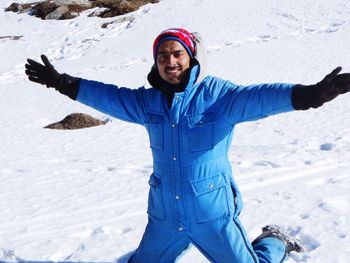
314,96
47,75
43,74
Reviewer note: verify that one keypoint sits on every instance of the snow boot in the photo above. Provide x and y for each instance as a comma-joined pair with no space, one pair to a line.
291,243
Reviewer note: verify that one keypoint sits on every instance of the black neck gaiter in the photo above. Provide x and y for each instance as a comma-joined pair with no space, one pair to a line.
165,87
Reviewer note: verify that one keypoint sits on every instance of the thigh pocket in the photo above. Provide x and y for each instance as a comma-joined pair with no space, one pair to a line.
155,198
154,125
201,131
210,200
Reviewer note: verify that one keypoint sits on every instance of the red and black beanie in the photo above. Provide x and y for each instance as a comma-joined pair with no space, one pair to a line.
178,34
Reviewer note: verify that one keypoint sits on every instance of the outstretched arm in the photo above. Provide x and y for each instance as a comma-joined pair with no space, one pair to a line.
258,101
122,103
314,96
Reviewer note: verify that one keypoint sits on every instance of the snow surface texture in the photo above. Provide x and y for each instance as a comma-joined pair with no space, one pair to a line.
81,195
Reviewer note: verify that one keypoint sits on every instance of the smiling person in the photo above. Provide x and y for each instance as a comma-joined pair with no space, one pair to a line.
172,61
190,118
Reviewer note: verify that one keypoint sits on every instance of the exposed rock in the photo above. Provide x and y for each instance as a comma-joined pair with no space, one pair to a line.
83,3
69,15
65,12
58,13
15,7
120,7
77,8
42,9
111,8
76,121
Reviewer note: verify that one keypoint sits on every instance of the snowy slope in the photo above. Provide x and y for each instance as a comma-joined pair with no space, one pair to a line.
81,195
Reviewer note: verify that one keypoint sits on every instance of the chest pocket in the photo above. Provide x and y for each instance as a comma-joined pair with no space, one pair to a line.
154,126
201,131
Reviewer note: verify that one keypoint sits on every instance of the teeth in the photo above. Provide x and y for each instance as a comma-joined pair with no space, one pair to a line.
172,70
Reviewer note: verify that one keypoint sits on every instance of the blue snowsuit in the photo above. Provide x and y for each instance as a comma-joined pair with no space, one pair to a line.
193,197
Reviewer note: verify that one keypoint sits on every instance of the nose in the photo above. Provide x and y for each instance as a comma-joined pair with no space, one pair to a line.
171,59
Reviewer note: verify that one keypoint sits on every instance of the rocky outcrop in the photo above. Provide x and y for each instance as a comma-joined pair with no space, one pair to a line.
67,9
86,3
116,8
43,9
15,7
76,121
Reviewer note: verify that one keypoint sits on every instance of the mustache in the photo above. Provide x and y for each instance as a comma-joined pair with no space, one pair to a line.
172,67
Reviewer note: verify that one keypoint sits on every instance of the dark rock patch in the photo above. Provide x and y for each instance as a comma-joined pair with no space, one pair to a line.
67,9
15,7
120,7
43,9
76,121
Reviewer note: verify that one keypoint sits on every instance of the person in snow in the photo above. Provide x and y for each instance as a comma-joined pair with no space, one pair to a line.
190,117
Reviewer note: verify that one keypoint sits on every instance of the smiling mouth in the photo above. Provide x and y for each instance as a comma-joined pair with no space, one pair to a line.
172,70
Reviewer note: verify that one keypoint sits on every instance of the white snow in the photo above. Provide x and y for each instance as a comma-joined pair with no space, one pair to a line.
81,195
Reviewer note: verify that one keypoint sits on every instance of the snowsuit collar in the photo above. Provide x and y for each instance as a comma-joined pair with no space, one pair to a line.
170,89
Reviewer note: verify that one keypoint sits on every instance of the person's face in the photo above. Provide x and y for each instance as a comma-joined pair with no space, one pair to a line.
172,61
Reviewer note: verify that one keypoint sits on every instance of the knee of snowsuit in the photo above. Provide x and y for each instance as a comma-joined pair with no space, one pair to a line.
193,197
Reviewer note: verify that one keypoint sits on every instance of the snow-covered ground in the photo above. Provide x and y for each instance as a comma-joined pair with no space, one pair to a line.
81,195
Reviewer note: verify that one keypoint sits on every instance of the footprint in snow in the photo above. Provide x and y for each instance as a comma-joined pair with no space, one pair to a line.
212,49
286,15
326,146
9,256
342,235
334,27
68,250
308,162
88,233
310,242
266,38
304,216
111,169
100,231
267,164
126,230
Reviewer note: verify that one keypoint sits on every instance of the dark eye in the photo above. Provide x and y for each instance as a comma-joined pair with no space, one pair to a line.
178,54
162,56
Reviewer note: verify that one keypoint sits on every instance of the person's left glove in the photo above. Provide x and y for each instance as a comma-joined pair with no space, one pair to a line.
47,75
314,96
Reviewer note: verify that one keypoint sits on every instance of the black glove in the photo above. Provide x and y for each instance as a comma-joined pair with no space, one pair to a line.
314,96
47,75
43,74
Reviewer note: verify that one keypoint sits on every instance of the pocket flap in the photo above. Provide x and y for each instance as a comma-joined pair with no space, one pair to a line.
201,119
207,185
154,181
